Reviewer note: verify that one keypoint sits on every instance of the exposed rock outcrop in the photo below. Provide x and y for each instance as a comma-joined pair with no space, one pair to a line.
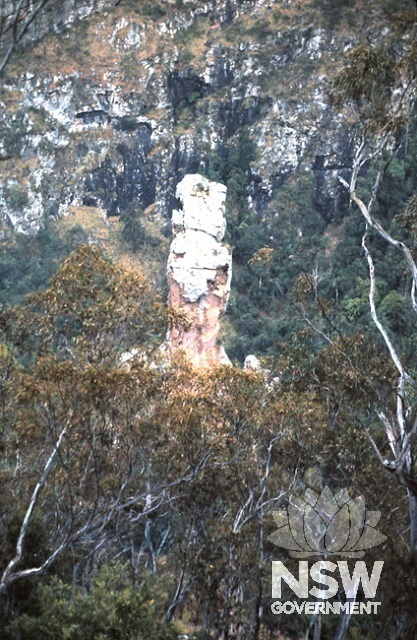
199,269
252,363
143,93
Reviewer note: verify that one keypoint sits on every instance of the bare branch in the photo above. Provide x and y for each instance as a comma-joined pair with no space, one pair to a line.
19,24
394,356
374,224
8,572
391,435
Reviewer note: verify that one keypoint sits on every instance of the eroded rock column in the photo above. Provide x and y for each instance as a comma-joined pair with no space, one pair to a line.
199,269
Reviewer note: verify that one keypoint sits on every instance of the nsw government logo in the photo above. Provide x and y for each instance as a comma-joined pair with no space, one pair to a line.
324,528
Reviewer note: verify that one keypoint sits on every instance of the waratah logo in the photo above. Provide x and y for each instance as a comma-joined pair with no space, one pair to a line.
326,525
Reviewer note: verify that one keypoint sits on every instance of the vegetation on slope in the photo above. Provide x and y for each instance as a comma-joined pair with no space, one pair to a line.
136,497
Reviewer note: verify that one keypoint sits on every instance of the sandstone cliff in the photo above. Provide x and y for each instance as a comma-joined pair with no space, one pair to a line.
116,102
110,104
199,269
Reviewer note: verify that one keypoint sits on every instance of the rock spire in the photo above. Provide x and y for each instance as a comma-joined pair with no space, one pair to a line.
199,269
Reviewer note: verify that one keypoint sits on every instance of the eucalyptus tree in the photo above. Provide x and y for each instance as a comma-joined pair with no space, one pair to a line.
80,429
378,82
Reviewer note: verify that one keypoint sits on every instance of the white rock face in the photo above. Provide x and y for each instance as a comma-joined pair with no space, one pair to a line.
251,363
199,268
196,252
203,203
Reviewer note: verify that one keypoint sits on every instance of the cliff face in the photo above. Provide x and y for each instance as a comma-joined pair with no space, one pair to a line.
199,269
112,105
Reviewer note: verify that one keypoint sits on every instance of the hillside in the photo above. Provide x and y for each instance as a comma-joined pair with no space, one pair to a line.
109,105
140,490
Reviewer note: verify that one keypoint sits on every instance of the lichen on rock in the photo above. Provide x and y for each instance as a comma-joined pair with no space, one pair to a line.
199,269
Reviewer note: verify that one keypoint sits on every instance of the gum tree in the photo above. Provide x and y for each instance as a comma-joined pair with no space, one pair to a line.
79,427
378,84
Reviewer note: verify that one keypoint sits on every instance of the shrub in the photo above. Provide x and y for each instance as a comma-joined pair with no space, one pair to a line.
133,232
155,11
17,197
114,608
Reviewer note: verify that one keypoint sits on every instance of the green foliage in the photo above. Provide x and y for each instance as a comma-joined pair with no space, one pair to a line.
203,449
367,81
17,197
193,97
332,12
130,66
155,11
83,310
408,217
236,173
260,306
28,262
209,450
396,311
13,134
232,168
261,29
133,232
139,431
348,278
114,607
185,111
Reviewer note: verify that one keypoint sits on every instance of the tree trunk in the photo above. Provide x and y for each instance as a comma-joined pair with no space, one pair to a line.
412,506
343,626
